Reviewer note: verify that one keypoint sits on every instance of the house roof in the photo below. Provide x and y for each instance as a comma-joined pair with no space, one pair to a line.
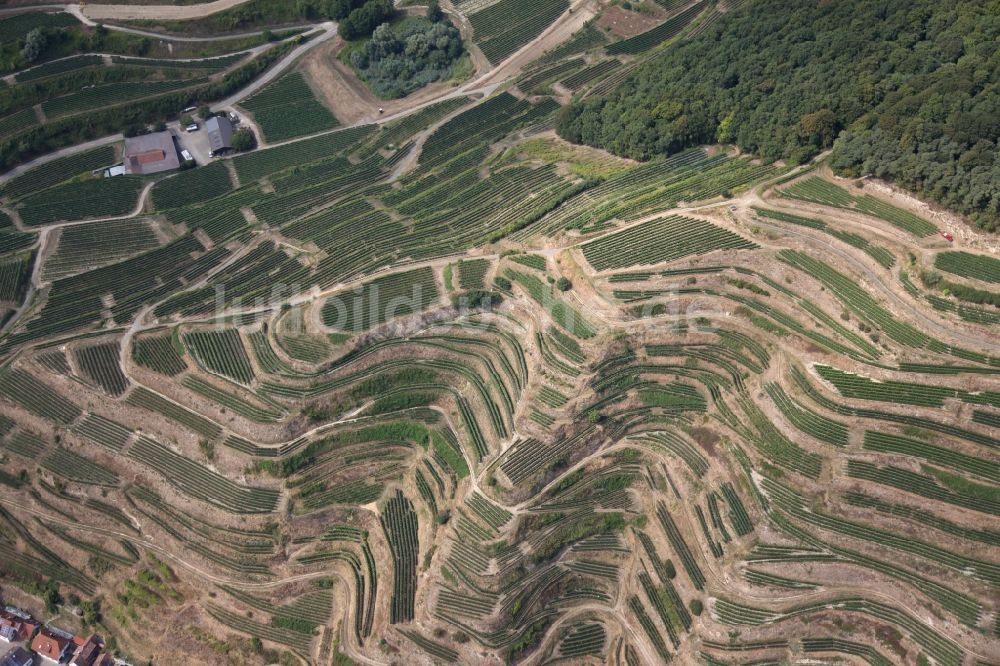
15,628
50,645
86,654
18,657
151,153
220,133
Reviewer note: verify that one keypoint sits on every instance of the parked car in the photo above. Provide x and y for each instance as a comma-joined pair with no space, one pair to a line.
186,155
193,127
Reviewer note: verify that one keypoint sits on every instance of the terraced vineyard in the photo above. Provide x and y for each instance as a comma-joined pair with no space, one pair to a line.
449,389
499,36
83,246
824,192
662,240
79,200
287,108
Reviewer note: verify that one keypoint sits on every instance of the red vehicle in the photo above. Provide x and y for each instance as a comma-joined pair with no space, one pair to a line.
947,236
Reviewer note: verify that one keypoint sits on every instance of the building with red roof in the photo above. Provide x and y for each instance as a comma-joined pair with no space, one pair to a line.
16,625
51,646
88,653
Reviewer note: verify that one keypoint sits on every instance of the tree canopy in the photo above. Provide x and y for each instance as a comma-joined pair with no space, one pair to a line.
908,90
397,61
363,20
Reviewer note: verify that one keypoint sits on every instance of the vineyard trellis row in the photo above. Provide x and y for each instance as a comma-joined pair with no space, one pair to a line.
400,525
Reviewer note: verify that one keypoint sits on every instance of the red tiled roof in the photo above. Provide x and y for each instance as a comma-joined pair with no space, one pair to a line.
87,653
150,156
22,628
48,645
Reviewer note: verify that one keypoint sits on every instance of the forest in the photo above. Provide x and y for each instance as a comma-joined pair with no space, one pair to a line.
905,90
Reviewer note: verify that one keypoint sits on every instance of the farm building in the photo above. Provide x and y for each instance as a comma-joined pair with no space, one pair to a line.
220,134
151,153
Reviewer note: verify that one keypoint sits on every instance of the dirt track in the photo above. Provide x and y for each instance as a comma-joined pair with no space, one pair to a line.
157,12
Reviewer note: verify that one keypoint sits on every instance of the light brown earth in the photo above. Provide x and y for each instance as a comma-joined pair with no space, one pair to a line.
156,12
623,22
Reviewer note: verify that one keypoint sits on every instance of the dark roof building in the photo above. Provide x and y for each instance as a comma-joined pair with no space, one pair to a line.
18,657
220,134
151,153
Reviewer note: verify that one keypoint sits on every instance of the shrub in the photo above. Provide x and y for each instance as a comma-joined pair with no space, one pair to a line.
476,299
243,140
34,44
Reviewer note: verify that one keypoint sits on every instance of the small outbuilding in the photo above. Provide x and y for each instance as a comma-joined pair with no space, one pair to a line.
220,134
151,153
